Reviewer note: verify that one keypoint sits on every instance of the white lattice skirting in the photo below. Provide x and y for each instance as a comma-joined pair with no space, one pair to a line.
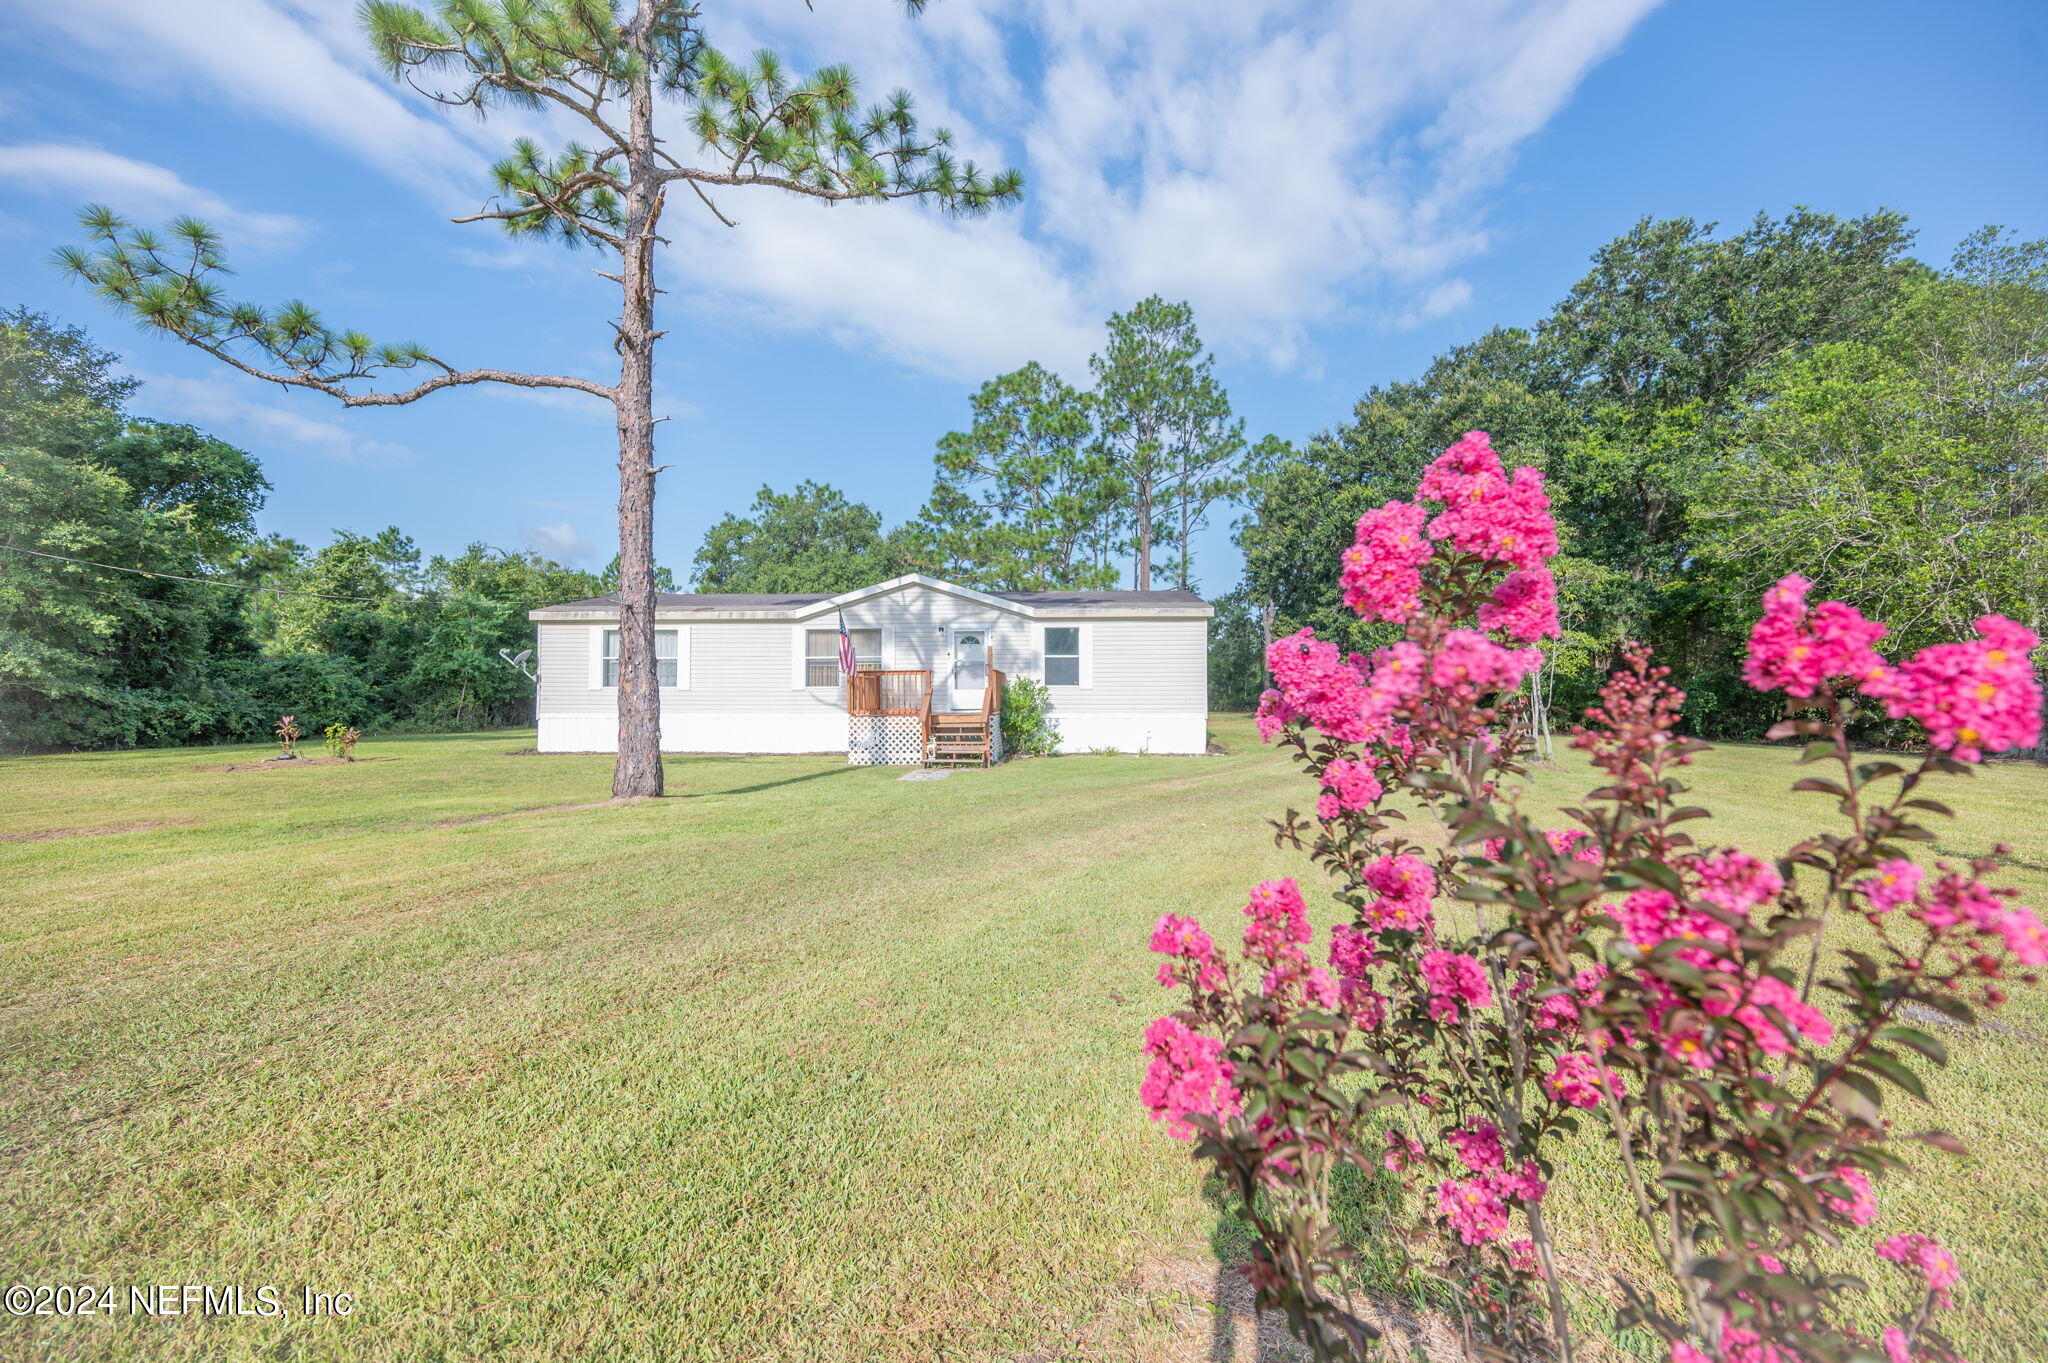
884,741
898,740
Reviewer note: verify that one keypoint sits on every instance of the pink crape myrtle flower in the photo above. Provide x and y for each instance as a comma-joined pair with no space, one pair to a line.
1478,1146
1505,519
1958,899
1575,1080
1797,650
1188,1077
1926,1256
1682,1352
1859,1204
1294,982
1454,979
1351,784
1525,1184
1473,1208
2024,936
1364,1005
1896,1347
1773,993
1575,843
1560,1011
1893,883
1279,928
1403,1150
1461,464
1469,665
1522,1257
1314,680
1523,606
1184,940
1405,886
1382,572
1971,698
1736,881
1740,1344
1351,951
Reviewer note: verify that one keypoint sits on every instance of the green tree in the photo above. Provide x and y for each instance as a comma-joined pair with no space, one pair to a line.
477,606
1163,424
1657,348
603,65
1907,473
810,540
59,392
91,656
1018,492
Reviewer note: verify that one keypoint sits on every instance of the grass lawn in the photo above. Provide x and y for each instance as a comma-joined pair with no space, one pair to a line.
804,1062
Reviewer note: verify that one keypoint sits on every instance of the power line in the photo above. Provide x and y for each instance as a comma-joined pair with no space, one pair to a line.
283,591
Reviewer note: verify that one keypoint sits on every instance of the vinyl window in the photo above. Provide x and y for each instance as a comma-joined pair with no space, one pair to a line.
1063,655
821,654
667,656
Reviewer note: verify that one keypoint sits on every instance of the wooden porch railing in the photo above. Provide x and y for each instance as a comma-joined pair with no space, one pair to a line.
908,691
901,692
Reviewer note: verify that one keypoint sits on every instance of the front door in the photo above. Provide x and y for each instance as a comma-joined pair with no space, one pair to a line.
970,666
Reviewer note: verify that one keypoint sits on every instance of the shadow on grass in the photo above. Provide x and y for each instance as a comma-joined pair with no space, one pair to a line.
766,785
1365,1207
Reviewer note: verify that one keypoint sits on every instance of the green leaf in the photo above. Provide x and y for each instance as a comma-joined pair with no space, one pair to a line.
1896,1071
1928,1045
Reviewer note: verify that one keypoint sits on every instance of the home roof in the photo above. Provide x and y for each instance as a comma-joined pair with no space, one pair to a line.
800,605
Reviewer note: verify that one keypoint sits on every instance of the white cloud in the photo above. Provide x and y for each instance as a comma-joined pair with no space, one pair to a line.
222,406
136,188
1283,165
1273,163
558,542
1441,301
297,63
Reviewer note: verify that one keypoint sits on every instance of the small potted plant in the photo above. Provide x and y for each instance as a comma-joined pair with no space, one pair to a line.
287,731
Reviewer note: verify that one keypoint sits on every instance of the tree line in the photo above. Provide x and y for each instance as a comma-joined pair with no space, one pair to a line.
216,629
1050,486
1714,411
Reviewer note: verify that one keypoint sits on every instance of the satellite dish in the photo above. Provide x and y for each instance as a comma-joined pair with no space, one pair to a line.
517,661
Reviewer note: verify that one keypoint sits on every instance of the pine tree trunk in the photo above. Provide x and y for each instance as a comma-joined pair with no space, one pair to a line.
638,772
1142,571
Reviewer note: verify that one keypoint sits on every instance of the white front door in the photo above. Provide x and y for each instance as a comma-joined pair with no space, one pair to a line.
970,666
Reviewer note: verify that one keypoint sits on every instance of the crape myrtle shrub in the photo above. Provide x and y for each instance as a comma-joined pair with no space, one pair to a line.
1619,979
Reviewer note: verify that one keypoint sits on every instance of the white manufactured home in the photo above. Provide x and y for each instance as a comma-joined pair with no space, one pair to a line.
750,673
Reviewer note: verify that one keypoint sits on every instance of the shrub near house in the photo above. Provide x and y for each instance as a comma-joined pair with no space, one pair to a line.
1624,982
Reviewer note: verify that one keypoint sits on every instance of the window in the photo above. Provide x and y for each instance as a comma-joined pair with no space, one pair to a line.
665,657
821,654
1063,655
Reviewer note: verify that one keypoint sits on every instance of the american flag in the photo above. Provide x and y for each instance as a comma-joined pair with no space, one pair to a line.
846,660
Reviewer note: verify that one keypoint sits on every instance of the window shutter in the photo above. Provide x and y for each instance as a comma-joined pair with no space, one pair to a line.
597,656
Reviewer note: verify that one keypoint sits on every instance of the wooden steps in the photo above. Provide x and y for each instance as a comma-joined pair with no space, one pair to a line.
959,739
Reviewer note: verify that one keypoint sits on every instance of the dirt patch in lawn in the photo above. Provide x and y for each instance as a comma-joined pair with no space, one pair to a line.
279,764
46,834
1200,1311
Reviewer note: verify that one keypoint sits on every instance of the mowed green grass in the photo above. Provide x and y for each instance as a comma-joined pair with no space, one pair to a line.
802,1062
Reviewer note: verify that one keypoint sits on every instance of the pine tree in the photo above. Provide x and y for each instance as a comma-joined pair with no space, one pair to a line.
1164,427
608,64
1019,493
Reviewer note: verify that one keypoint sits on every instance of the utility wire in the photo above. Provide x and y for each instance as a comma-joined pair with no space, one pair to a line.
282,591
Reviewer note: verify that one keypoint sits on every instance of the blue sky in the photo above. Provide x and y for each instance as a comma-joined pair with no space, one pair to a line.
1341,190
